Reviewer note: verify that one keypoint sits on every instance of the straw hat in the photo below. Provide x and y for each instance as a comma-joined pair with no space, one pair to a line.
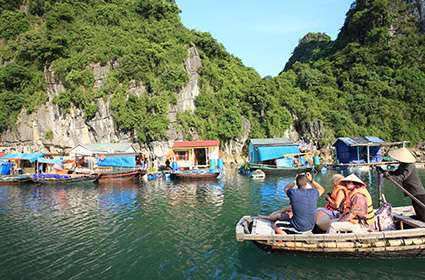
353,178
336,179
402,155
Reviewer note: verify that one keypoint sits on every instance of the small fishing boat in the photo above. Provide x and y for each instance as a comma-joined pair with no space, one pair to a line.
11,180
57,179
407,240
258,174
119,176
196,175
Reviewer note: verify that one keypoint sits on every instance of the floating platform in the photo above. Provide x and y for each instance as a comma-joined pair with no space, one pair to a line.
13,180
195,175
56,179
276,170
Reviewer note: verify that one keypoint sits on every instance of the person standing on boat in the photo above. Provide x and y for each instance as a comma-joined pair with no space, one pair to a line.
407,175
358,214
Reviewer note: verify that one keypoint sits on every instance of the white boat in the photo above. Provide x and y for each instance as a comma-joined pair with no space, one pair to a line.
258,174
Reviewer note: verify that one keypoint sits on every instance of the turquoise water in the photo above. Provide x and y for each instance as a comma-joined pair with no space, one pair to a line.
162,230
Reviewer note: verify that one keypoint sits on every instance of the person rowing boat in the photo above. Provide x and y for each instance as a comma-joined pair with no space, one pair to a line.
407,175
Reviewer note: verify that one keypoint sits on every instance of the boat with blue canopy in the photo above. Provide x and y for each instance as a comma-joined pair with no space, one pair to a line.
16,168
277,156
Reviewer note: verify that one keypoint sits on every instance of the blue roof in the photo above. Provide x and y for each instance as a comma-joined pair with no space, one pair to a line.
354,141
272,141
268,153
32,157
123,161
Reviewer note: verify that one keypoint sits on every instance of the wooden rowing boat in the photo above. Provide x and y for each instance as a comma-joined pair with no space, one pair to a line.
13,180
54,179
407,240
276,170
105,177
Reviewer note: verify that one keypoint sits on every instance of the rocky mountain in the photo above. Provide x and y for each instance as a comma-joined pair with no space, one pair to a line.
87,71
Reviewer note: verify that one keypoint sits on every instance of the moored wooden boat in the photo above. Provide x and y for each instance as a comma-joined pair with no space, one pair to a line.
55,179
276,170
105,177
12,180
195,175
258,174
407,240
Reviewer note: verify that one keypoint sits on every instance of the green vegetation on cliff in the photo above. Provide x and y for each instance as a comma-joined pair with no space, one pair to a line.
144,42
371,80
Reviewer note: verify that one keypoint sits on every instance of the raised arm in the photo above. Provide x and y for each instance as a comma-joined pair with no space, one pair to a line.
315,184
402,172
289,186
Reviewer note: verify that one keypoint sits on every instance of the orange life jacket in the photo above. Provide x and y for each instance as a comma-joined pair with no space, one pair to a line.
370,216
331,205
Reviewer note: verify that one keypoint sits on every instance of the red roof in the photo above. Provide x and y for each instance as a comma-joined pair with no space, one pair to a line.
196,144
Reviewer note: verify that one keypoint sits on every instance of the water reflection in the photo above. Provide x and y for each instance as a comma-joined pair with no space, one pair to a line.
162,229
117,197
196,193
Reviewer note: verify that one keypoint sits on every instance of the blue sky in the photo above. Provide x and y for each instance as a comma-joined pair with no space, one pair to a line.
263,33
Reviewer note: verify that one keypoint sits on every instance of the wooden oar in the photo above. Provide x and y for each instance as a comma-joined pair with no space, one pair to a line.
379,183
406,191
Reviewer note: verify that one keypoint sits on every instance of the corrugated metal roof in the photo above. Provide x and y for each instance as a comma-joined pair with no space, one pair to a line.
108,148
272,141
359,140
196,144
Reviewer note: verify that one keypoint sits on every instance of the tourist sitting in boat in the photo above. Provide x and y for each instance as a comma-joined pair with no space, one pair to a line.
335,203
303,198
407,175
358,215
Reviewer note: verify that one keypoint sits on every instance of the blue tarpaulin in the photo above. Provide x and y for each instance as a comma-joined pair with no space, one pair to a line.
5,168
124,161
268,153
31,157
50,161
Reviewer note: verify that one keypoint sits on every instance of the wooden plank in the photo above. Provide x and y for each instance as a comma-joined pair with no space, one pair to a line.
409,221
417,232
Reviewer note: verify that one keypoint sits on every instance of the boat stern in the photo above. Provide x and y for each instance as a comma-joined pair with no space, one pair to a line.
242,228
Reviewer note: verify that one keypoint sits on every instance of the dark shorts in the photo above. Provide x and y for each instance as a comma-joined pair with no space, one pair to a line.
284,217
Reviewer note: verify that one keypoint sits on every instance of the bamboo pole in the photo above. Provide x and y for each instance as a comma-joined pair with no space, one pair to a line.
406,191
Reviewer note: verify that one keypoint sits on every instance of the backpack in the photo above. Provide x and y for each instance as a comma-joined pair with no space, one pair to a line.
383,218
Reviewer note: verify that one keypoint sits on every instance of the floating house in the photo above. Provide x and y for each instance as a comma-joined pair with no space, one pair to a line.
361,150
105,155
196,154
276,154
19,163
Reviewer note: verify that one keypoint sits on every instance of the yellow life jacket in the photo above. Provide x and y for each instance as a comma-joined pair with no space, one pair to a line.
331,205
370,217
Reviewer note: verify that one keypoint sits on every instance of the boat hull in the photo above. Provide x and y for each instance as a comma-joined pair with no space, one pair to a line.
270,170
195,176
64,181
118,176
15,180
